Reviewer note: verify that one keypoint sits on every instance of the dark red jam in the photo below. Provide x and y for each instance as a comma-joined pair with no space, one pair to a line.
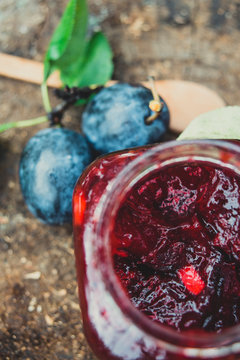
174,254
176,247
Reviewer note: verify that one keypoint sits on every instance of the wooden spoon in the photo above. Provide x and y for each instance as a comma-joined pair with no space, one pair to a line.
185,99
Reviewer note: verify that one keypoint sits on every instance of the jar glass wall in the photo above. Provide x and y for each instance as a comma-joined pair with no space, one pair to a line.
115,329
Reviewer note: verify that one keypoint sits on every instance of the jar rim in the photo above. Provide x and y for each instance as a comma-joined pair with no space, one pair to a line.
202,341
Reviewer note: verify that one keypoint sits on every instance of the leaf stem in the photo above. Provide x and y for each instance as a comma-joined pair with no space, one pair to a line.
23,123
45,97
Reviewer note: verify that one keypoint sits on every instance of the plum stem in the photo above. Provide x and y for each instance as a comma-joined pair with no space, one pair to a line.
155,105
23,123
153,89
70,96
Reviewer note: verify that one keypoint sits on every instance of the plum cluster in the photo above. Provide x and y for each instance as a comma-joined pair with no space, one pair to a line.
54,158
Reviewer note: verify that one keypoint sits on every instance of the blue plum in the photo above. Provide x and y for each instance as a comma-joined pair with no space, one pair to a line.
115,118
50,165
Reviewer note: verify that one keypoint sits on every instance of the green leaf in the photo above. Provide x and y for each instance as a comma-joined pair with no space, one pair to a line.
81,62
68,41
223,123
97,67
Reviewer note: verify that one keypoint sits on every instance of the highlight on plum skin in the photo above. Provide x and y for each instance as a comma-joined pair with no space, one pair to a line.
175,247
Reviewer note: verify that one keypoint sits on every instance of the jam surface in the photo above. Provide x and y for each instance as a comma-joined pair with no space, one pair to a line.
176,247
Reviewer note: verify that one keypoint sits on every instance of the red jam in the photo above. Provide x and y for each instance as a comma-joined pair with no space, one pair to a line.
175,253
176,247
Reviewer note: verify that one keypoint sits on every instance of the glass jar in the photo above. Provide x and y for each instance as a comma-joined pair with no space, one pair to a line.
114,328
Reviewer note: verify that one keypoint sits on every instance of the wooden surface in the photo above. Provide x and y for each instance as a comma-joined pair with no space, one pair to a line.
181,40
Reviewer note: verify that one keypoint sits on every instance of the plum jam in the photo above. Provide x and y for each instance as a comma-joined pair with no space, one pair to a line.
176,243
157,248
